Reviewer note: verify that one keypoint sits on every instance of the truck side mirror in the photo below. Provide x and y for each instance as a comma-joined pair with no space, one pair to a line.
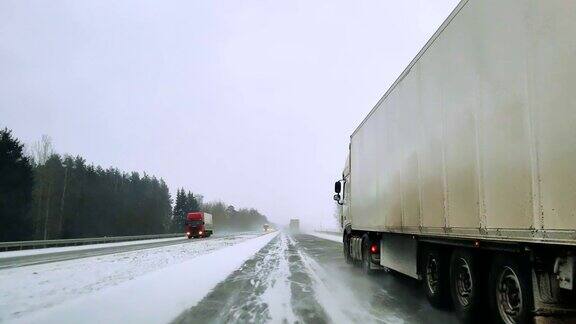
337,198
337,187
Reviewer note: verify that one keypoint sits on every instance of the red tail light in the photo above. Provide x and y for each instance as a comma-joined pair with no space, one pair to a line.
374,248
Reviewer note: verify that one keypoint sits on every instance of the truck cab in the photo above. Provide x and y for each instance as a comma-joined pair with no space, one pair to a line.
198,224
342,196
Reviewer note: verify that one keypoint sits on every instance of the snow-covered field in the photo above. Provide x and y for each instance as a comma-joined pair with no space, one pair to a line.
34,290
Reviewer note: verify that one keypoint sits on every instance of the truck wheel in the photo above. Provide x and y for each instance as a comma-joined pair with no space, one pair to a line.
510,295
346,249
465,286
366,257
436,276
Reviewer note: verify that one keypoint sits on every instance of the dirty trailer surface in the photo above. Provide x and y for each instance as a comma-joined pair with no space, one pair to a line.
304,279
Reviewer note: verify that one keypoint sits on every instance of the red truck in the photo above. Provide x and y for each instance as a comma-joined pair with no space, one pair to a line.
199,224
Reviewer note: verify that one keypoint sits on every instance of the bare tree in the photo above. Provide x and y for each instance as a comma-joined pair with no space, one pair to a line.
42,150
45,236
199,199
62,200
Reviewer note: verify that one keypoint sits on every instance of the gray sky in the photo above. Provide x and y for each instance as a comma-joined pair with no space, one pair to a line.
251,102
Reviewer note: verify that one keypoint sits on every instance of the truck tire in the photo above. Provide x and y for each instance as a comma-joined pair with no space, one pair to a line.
510,291
466,286
346,249
366,257
436,276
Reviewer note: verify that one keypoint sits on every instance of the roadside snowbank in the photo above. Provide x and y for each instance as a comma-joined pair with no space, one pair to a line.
156,297
27,290
331,237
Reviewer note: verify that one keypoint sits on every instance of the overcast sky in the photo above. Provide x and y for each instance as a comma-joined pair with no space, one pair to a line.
251,102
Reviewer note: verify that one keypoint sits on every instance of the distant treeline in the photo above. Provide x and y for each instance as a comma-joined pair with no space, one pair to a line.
44,195
225,217
229,219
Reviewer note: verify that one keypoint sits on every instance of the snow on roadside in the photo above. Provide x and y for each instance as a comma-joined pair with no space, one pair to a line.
330,237
30,289
158,296
19,253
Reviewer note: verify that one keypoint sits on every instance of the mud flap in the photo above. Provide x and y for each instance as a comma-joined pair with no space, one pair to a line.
399,252
553,303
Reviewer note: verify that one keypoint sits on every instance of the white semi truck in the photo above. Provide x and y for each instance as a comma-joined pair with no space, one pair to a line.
463,175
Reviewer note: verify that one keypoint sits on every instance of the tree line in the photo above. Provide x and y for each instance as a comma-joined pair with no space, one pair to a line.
225,217
44,195
228,218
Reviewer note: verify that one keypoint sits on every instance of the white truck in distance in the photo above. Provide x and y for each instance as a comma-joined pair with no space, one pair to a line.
464,174
294,225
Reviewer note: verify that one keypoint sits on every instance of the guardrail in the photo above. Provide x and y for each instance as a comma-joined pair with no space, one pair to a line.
22,245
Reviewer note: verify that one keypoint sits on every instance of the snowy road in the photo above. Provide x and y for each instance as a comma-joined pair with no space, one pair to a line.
34,288
304,279
39,256
272,278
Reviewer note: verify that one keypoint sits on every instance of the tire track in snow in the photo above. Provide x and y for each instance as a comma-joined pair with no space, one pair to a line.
304,302
303,279
278,300
273,286
339,301
350,296
241,298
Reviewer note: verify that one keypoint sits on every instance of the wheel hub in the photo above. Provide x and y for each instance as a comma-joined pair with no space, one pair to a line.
432,275
464,283
509,296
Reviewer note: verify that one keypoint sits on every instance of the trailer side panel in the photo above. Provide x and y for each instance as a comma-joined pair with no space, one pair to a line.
477,136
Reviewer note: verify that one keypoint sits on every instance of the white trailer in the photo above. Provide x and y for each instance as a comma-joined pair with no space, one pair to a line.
464,174
208,223
294,225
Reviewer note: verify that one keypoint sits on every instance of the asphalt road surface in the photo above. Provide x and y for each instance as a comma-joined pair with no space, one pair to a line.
25,260
304,279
